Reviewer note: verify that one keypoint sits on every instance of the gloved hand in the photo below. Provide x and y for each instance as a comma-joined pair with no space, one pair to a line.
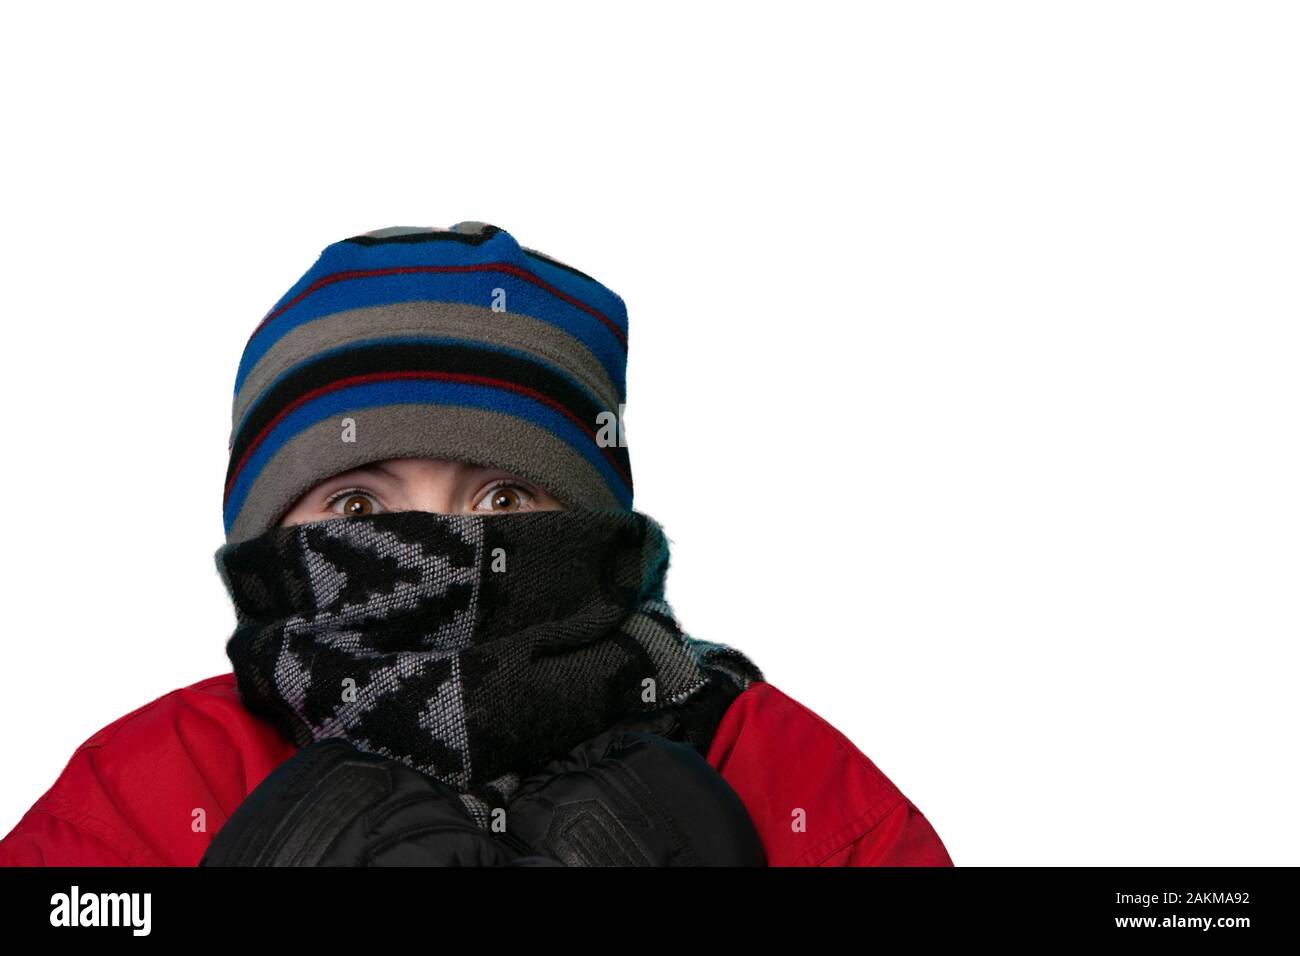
331,804
632,797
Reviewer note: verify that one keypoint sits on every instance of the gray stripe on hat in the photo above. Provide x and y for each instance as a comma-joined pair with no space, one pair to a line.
487,438
472,323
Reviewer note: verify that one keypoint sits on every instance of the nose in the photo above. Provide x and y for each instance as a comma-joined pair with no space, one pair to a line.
432,491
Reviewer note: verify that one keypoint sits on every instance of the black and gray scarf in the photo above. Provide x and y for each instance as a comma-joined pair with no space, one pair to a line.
472,647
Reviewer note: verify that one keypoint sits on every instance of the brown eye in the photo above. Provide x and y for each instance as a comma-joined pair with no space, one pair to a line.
355,504
504,497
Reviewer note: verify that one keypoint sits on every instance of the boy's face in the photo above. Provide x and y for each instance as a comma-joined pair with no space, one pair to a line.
419,484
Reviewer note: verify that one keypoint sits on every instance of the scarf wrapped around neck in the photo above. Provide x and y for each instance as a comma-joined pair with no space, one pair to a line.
471,647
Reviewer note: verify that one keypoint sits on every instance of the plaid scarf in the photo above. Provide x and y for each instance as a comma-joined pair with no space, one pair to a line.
472,647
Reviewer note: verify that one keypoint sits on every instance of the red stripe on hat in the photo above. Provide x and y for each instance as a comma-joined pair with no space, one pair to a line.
504,267
441,376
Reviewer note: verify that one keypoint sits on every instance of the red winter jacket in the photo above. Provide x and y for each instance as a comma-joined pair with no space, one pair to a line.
152,787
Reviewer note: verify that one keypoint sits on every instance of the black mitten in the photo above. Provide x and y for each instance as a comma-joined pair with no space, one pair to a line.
632,797
331,804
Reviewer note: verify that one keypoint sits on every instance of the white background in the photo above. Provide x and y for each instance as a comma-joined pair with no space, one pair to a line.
963,369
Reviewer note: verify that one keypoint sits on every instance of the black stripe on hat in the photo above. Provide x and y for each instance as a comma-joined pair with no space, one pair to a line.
452,358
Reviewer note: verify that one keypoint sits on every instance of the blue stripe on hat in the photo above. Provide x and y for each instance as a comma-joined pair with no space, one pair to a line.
473,288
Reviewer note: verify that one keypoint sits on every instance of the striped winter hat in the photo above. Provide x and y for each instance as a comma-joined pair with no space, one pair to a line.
413,342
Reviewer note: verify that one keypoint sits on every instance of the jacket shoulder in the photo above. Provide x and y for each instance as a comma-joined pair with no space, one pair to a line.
815,798
151,787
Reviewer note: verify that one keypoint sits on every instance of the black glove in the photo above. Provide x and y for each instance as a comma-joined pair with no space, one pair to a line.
632,797
331,804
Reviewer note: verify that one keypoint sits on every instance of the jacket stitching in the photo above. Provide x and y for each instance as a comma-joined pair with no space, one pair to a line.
855,755
837,840
122,722
824,854
127,855
114,803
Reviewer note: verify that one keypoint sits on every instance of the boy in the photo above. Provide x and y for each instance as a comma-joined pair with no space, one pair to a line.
437,570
